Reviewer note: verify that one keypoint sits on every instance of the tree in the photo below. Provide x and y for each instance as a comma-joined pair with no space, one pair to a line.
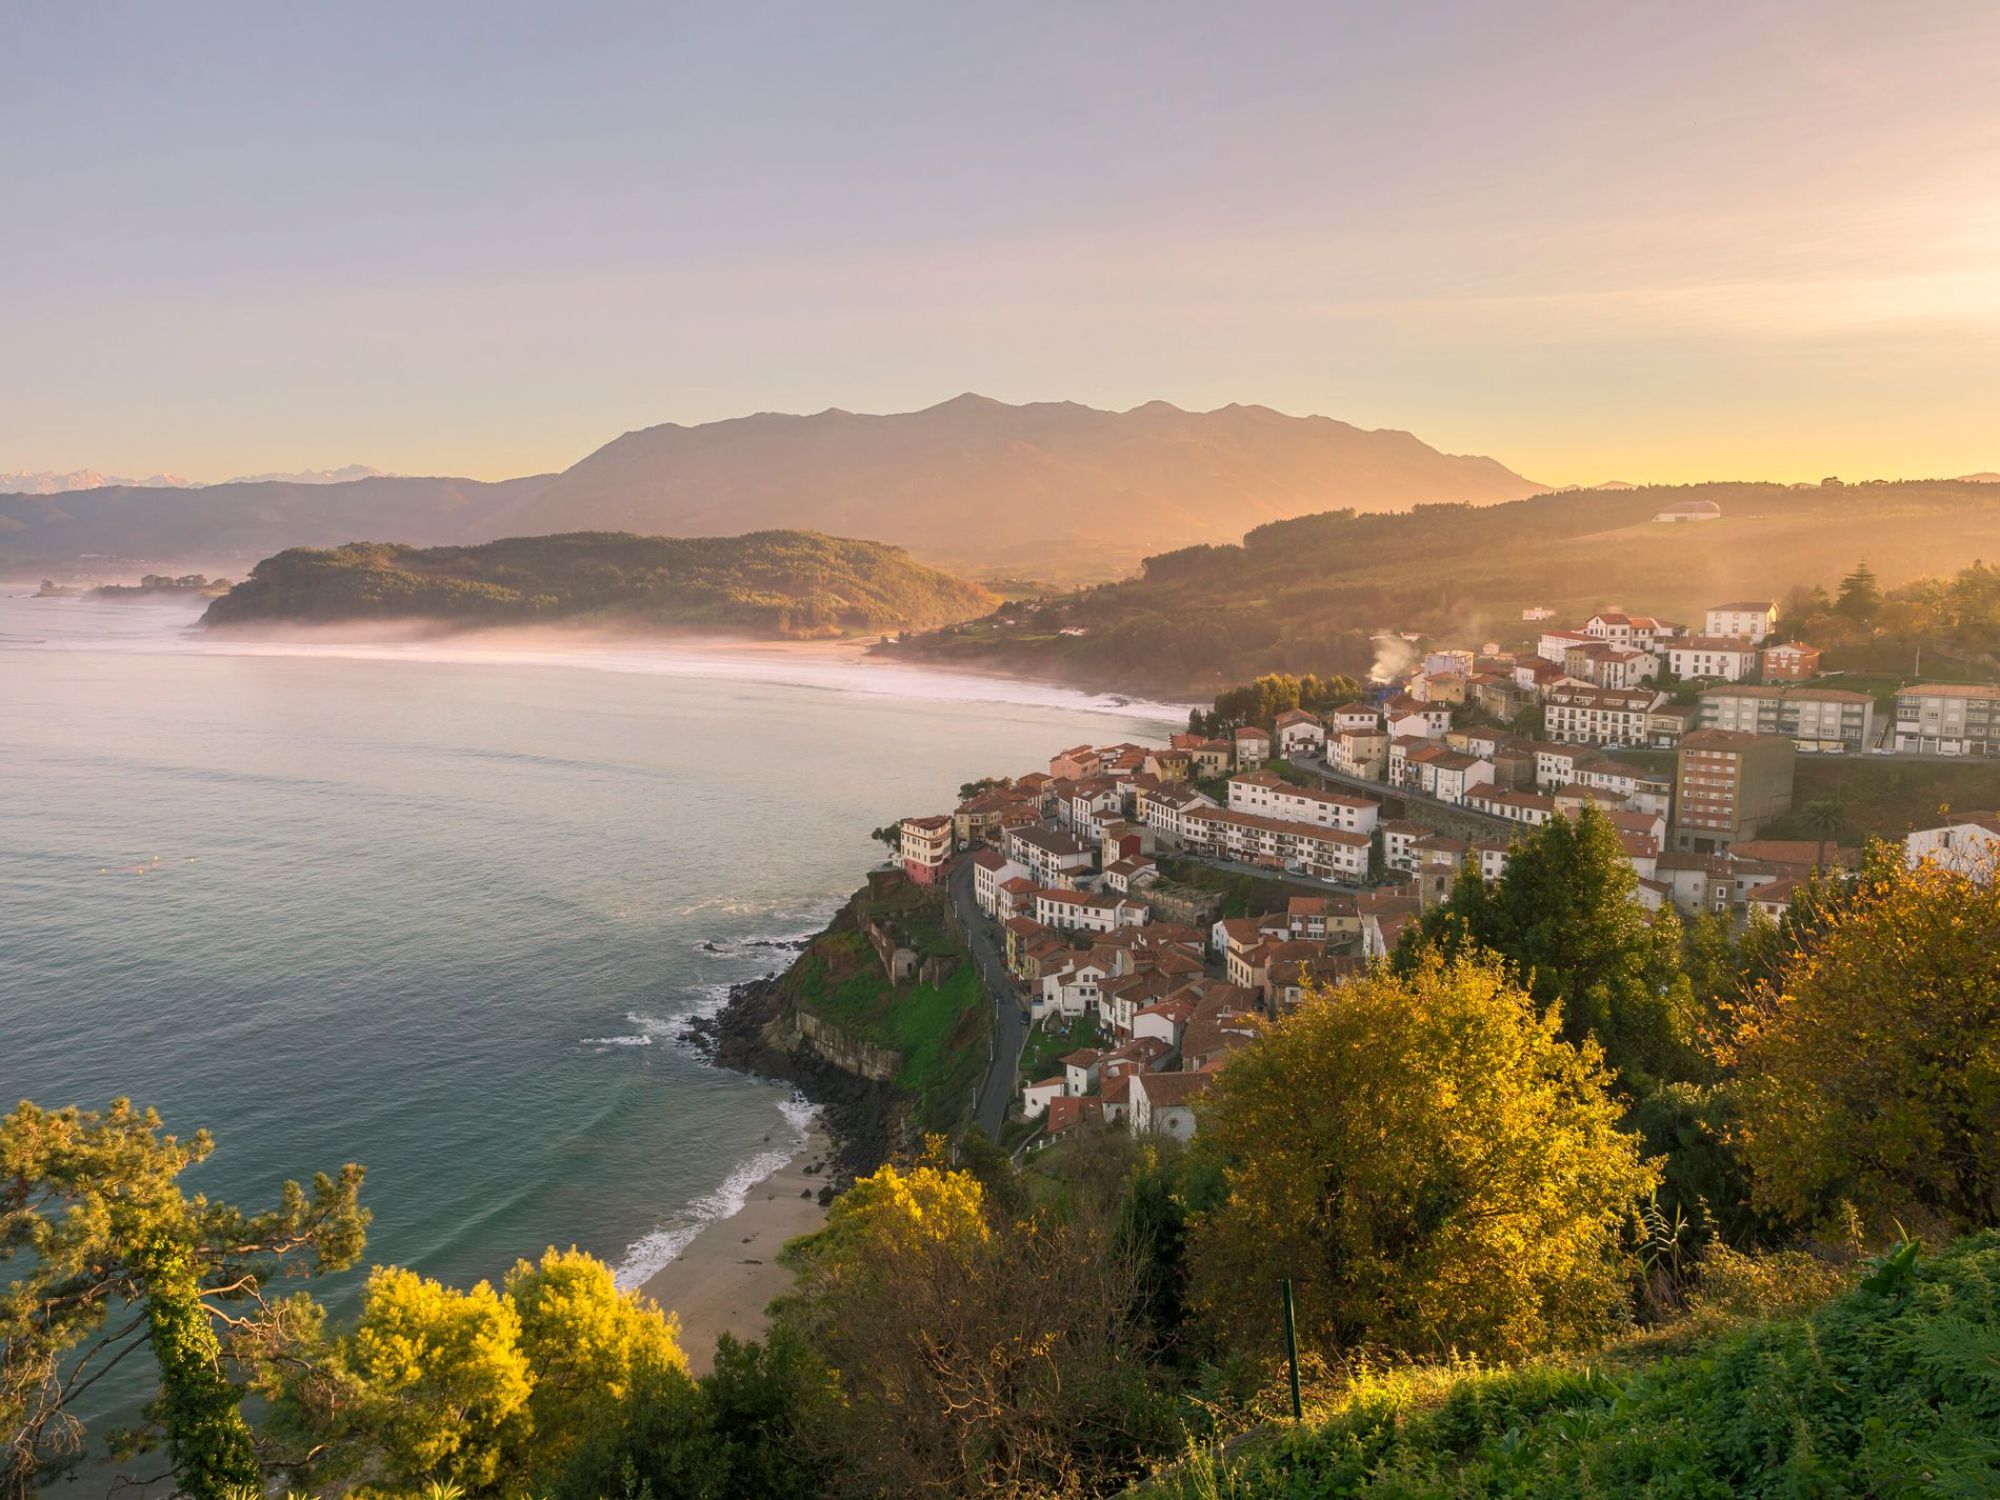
1860,595
1826,819
556,1383
972,1357
438,1381
1869,1070
91,1207
1430,1161
590,1347
1563,914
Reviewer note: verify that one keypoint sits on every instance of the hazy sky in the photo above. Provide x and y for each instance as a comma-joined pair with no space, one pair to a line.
1593,239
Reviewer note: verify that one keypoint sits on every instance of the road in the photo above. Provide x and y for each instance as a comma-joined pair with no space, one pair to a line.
1010,1027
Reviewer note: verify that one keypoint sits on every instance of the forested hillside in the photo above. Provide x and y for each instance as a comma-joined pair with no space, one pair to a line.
776,584
1307,594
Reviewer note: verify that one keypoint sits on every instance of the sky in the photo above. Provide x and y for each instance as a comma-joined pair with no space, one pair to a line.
1594,240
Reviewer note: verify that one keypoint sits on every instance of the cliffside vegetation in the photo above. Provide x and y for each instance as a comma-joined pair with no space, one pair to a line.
773,584
1309,594
932,1016
1700,1213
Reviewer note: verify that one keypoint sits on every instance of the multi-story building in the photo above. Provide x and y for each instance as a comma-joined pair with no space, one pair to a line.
1949,718
1727,786
1819,720
1359,752
1667,723
1611,666
1598,715
1710,656
1269,793
1166,809
1280,843
925,845
1055,859
1746,622
1792,661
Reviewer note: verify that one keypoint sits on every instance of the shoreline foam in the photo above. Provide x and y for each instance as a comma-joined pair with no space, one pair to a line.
724,1275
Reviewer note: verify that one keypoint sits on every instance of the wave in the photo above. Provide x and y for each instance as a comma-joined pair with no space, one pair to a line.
652,1253
642,1039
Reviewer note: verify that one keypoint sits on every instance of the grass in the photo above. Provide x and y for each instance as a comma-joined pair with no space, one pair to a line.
1890,1389
939,1030
1242,895
1045,1044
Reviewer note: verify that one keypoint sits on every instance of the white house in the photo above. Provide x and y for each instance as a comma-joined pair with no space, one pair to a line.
1967,842
1407,716
1076,911
1555,644
1692,656
1080,1071
1053,858
1035,1097
1300,733
1750,621
990,870
1163,1103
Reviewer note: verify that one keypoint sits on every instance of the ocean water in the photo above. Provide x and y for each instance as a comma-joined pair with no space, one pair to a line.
441,909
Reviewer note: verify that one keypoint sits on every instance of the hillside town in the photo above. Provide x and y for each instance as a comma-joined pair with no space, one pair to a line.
1138,987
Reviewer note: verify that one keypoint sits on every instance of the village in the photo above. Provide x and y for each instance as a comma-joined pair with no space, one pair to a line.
1138,989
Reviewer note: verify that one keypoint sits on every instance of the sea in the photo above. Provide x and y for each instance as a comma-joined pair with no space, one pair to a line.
441,908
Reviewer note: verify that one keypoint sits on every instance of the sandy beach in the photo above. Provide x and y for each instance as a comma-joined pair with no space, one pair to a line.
729,1273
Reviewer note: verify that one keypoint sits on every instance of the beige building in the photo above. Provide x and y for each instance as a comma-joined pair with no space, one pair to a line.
1949,718
1820,720
1727,786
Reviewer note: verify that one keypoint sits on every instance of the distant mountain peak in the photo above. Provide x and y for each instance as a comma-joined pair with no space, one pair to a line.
48,482
346,474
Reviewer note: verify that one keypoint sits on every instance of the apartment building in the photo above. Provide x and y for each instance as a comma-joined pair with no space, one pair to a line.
1818,720
1949,718
1598,715
925,845
1727,785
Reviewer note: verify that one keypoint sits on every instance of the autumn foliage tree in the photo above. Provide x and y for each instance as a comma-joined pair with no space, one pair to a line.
1563,914
1869,1068
540,1384
1429,1160
972,1353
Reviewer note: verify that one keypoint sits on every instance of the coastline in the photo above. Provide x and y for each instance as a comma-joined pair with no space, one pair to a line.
725,1279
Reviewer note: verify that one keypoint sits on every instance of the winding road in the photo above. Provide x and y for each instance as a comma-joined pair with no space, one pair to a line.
1010,1027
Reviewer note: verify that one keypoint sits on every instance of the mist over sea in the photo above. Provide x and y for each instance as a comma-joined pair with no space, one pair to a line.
440,909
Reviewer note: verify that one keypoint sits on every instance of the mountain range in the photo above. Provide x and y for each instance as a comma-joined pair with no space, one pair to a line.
48,482
1049,490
